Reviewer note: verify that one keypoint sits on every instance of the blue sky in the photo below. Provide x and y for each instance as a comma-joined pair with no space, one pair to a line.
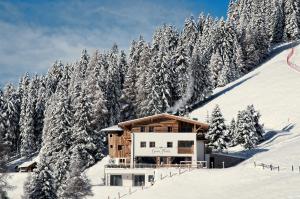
35,33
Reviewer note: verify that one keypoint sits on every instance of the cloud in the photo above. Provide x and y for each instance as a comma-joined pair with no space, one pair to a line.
33,34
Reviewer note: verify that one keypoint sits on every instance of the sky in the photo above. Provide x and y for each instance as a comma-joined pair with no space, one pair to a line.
35,33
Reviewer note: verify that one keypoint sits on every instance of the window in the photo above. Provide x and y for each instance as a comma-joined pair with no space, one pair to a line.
142,129
185,144
186,128
116,180
152,144
169,144
120,147
170,129
151,129
139,180
111,146
143,144
150,178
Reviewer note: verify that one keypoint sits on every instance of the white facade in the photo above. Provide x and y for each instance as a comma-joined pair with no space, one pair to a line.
161,148
128,176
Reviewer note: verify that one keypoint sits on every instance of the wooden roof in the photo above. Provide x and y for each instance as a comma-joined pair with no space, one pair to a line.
164,115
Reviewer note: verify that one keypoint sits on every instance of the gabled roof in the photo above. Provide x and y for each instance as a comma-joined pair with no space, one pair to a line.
164,115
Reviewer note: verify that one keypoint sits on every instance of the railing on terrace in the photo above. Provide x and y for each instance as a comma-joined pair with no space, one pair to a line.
183,164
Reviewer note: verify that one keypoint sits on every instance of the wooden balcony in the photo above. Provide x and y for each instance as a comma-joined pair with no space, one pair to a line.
185,150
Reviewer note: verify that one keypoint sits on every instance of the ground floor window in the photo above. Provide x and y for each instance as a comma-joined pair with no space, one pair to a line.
139,180
116,180
150,178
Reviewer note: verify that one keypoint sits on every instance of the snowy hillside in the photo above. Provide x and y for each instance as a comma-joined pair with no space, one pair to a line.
274,89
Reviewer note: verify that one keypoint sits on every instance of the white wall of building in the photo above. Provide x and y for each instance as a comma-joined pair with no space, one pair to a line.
160,148
127,175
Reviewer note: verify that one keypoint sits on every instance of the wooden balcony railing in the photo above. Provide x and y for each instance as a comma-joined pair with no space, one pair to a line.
185,150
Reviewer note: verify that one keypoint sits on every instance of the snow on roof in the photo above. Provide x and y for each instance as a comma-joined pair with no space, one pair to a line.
112,128
30,162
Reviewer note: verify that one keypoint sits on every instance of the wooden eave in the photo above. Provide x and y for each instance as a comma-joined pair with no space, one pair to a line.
163,115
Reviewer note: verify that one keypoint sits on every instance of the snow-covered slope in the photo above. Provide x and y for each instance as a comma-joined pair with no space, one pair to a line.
274,89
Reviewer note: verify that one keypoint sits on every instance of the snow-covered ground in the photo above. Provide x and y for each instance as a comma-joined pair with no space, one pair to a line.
274,89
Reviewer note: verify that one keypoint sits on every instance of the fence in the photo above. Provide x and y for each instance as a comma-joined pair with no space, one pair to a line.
183,168
278,168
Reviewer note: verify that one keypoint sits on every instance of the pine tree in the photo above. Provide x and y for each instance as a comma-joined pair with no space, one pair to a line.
28,138
82,133
231,133
201,75
3,159
291,12
217,130
113,87
10,112
41,184
76,185
255,115
245,131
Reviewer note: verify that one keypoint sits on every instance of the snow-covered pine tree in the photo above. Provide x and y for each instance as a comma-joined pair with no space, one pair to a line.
129,91
53,76
3,159
77,185
231,133
39,111
95,94
142,79
57,129
161,73
113,87
10,118
292,23
123,66
245,134
82,134
216,64
217,130
255,115
278,22
41,183
27,134
201,76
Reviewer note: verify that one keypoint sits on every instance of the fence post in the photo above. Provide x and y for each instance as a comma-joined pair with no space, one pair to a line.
212,165
299,169
161,176
170,175
107,197
119,195
263,166
271,167
278,168
254,164
223,163
129,190
292,167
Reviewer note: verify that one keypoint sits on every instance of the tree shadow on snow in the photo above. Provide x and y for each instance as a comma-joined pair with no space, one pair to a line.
222,92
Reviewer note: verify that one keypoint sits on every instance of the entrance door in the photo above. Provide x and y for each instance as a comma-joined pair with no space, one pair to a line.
139,180
116,180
